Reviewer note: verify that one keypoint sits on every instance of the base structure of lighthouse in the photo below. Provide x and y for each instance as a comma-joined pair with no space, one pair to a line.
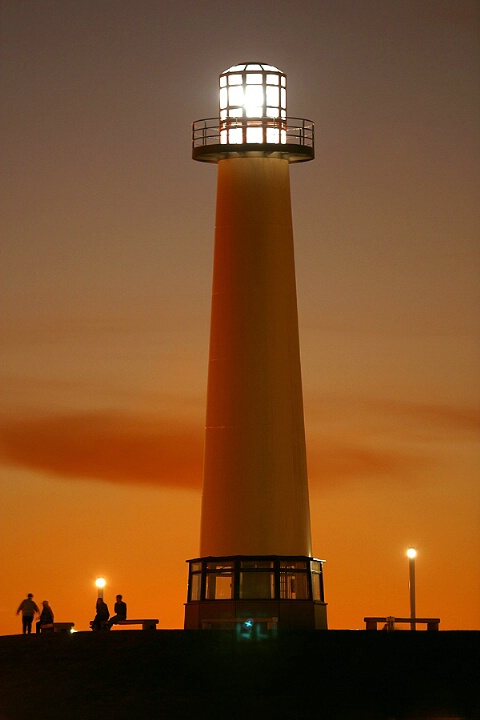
256,571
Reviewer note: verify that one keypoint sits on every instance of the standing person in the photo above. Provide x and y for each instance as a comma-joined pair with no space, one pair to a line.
103,613
46,616
28,608
120,610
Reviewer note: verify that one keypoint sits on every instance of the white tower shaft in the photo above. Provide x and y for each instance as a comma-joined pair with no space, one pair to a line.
255,488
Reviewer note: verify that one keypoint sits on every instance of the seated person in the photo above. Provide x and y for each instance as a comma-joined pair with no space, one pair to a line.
101,618
46,617
120,610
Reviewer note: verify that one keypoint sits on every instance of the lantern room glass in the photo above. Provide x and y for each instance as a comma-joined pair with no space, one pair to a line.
253,105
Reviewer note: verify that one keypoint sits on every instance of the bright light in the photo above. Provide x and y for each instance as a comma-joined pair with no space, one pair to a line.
411,552
100,582
251,93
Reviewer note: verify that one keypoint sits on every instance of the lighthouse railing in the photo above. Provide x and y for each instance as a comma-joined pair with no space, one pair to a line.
295,131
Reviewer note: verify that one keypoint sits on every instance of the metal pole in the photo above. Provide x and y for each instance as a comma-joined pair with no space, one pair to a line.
411,565
100,583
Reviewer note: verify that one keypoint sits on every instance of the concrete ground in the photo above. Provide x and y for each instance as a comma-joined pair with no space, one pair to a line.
179,675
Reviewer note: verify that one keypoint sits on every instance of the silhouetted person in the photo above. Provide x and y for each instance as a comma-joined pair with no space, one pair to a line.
120,610
98,622
28,608
46,616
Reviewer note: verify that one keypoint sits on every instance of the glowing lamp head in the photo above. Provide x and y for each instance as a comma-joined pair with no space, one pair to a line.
253,104
100,583
411,553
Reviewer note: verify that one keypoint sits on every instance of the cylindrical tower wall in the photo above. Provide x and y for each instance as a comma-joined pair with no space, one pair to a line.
255,488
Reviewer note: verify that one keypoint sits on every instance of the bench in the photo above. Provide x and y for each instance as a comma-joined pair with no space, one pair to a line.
57,627
371,622
146,624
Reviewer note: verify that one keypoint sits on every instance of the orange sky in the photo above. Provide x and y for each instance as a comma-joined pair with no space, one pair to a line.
105,273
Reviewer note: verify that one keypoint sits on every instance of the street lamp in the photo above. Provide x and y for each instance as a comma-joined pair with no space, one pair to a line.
100,583
411,554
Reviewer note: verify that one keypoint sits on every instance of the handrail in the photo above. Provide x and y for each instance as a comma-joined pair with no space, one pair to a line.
298,131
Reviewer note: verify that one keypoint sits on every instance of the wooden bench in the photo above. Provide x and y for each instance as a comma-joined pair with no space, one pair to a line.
57,627
146,624
371,622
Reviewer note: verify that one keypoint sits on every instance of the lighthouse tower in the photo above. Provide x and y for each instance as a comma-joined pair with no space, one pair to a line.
256,567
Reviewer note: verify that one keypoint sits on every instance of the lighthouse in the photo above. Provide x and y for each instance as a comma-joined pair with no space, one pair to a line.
256,567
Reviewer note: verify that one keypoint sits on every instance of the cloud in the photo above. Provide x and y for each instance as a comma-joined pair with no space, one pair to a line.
458,419
439,422
144,449
332,460
376,439
112,447
120,448
436,417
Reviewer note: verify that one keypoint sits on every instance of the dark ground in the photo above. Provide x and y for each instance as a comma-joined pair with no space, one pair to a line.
183,675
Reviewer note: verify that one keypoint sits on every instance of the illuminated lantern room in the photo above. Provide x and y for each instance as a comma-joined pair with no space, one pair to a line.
252,119
253,105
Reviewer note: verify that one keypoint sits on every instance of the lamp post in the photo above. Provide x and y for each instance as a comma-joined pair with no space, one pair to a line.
100,583
411,554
